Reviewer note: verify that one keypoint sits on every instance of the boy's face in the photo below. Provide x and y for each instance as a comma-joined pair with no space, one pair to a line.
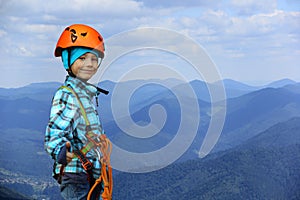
85,66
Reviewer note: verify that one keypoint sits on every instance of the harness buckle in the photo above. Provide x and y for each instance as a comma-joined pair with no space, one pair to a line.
86,163
87,166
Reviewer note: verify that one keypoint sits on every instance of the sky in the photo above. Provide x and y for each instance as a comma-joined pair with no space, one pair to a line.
251,41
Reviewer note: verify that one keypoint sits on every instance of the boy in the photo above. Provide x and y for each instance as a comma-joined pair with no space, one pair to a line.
82,49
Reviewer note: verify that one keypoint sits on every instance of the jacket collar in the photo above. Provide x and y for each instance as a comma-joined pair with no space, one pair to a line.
81,87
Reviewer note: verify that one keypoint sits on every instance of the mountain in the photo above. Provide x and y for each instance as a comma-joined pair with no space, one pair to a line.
235,88
22,151
231,88
254,112
36,91
258,169
251,106
246,115
264,167
170,128
295,88
280,83
25,113
236,85
280,135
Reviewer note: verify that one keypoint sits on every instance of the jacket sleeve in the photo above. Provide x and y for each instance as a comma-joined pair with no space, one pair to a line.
63,119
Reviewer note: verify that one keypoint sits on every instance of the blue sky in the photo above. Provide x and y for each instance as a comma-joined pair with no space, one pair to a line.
251,41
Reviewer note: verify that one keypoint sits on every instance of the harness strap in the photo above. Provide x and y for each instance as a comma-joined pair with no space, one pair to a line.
87,166
87,122
105,147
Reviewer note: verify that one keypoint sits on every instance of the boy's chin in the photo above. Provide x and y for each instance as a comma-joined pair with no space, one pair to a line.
84,78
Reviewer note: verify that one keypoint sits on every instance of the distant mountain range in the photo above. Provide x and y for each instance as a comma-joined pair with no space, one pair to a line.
264,167
252,113
255,157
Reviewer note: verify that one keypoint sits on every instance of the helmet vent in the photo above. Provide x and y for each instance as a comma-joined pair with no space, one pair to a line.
73,37
73,31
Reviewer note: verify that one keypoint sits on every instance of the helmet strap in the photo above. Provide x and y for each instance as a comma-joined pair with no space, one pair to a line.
69,58
71,73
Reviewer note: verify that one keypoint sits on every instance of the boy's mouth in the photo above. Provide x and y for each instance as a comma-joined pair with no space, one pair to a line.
87,71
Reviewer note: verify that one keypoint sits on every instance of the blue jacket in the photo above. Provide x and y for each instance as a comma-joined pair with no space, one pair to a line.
66,123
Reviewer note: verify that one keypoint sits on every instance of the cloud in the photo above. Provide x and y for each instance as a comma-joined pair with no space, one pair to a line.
250,7
178,3
2,33
230,30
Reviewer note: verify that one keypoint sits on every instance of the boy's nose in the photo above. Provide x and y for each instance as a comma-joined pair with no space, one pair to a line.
88,62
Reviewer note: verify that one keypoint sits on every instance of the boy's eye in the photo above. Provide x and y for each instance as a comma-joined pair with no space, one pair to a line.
92,59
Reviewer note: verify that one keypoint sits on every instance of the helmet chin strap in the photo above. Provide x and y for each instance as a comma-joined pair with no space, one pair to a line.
71,73
69,70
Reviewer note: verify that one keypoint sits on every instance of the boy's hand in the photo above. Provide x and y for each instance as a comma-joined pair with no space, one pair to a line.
69,155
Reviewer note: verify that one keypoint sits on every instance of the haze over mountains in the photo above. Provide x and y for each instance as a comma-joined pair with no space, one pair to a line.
256,156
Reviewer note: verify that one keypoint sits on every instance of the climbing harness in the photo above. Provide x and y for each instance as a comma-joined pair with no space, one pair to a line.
103,147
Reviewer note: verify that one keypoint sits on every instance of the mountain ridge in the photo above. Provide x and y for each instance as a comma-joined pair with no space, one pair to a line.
245,172
24,117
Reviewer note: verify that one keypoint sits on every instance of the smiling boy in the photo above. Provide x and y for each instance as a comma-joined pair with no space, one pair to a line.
81,48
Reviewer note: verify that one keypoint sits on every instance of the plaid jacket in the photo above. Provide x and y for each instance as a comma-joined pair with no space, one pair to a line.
66,123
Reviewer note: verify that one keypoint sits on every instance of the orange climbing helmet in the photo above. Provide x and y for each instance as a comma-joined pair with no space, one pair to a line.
80,35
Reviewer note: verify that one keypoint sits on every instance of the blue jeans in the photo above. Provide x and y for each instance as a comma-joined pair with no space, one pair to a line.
75,189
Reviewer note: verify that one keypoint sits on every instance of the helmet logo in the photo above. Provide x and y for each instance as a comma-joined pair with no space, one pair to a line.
73,35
